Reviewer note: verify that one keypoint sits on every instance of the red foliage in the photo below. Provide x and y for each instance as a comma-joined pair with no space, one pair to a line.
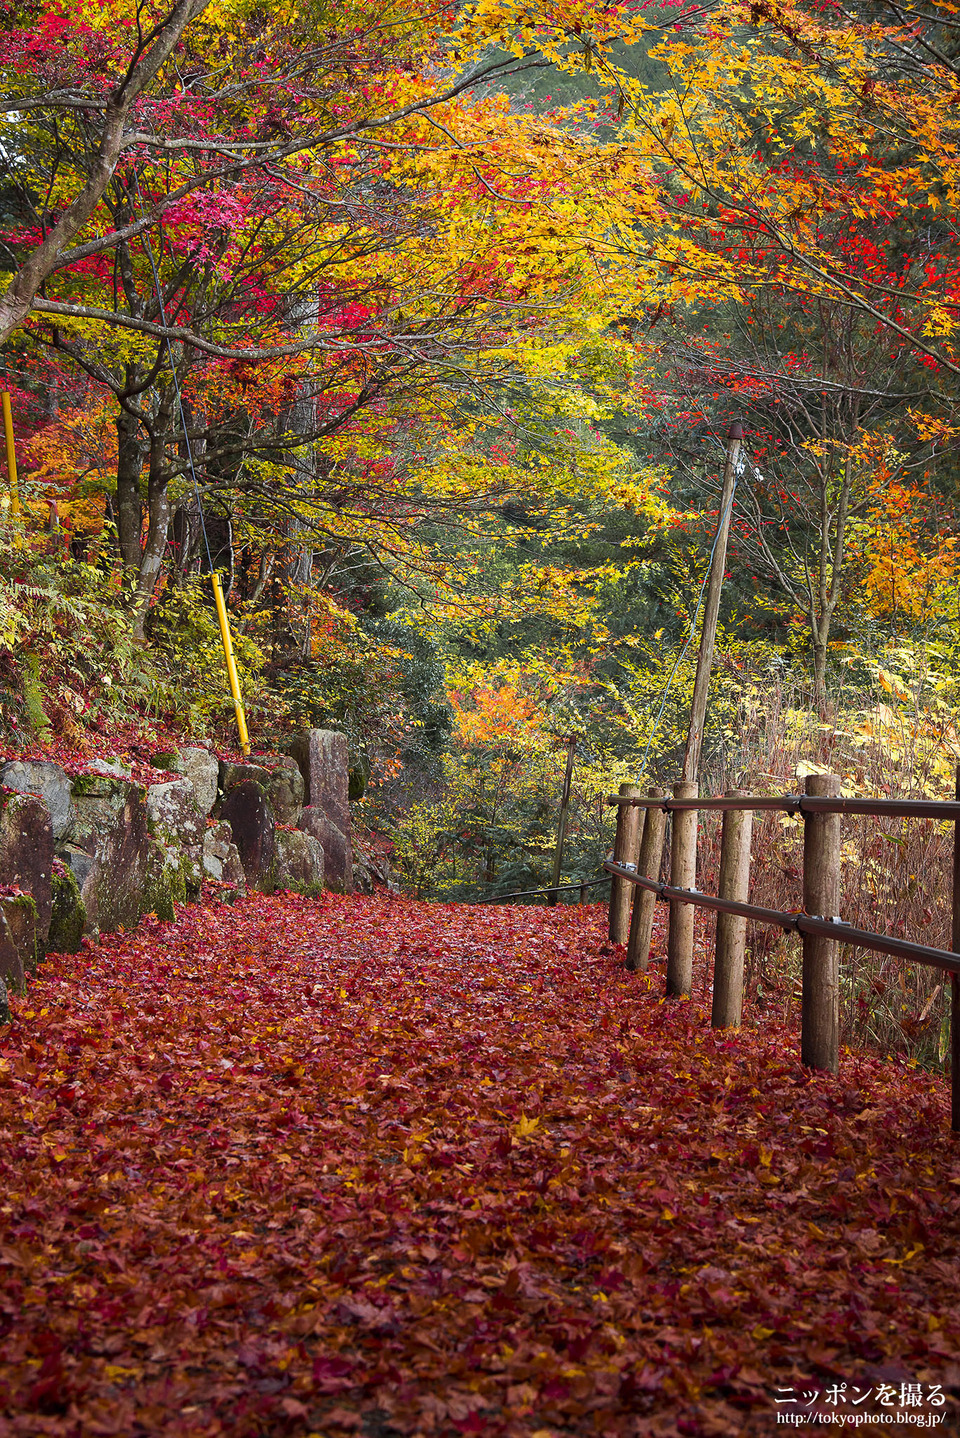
368,1164
143,748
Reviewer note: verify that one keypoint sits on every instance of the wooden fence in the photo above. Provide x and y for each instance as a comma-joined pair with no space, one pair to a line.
635,869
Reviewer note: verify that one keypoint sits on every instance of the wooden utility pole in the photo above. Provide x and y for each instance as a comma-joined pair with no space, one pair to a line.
711,610
562,822
683,848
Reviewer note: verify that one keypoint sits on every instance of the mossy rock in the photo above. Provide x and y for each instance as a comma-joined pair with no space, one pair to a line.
50,783
109,851
20,941
166,882
176,823
69,913
26,854
299,862
248,812
87,784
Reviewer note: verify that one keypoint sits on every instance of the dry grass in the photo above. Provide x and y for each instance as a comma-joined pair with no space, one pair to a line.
896,874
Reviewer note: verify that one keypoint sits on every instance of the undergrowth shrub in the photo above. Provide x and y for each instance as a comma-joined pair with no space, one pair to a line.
70,668
185,677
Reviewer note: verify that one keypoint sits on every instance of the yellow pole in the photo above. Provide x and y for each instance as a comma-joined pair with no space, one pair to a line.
231,666
11,459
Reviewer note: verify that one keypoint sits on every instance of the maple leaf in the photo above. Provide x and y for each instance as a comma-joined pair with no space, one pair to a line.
543,1268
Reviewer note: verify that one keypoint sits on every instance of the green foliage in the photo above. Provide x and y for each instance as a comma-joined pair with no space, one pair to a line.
72,665
33,697
188,674
379,681
63,642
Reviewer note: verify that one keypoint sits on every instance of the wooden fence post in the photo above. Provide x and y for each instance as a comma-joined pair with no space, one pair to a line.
954,980
731,929
644,901
819,1035
625,849
683,875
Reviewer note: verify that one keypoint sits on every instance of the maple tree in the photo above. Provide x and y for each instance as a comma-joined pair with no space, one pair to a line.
318,323
806,273
814,149
412,350
831,428
63,45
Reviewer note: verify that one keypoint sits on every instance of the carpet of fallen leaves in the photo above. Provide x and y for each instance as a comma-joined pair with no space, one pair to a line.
373,1166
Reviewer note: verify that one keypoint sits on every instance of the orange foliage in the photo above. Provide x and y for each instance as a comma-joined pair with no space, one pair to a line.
74,459
495,714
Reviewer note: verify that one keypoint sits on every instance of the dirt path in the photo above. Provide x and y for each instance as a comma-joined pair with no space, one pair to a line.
370,1166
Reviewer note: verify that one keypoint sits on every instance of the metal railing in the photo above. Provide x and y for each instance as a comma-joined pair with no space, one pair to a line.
547,889
799,922
636,862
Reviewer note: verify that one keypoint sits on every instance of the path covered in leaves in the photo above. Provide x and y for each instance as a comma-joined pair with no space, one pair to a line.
371,1166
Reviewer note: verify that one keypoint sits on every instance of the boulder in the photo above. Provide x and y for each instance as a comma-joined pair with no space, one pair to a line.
78,861
337,851
299,862
26,853
165,879
168,759
372,867
247,810
362,879
284,788
112,855
69,915
4,1005
175,821
111,768
322,757
203,770
221,857
50,782
11,964
233,774
20,942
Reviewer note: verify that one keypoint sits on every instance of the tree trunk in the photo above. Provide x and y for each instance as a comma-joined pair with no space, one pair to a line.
819,632
129,504
158,525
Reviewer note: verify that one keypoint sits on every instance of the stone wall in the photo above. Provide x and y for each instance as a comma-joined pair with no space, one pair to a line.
95,852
